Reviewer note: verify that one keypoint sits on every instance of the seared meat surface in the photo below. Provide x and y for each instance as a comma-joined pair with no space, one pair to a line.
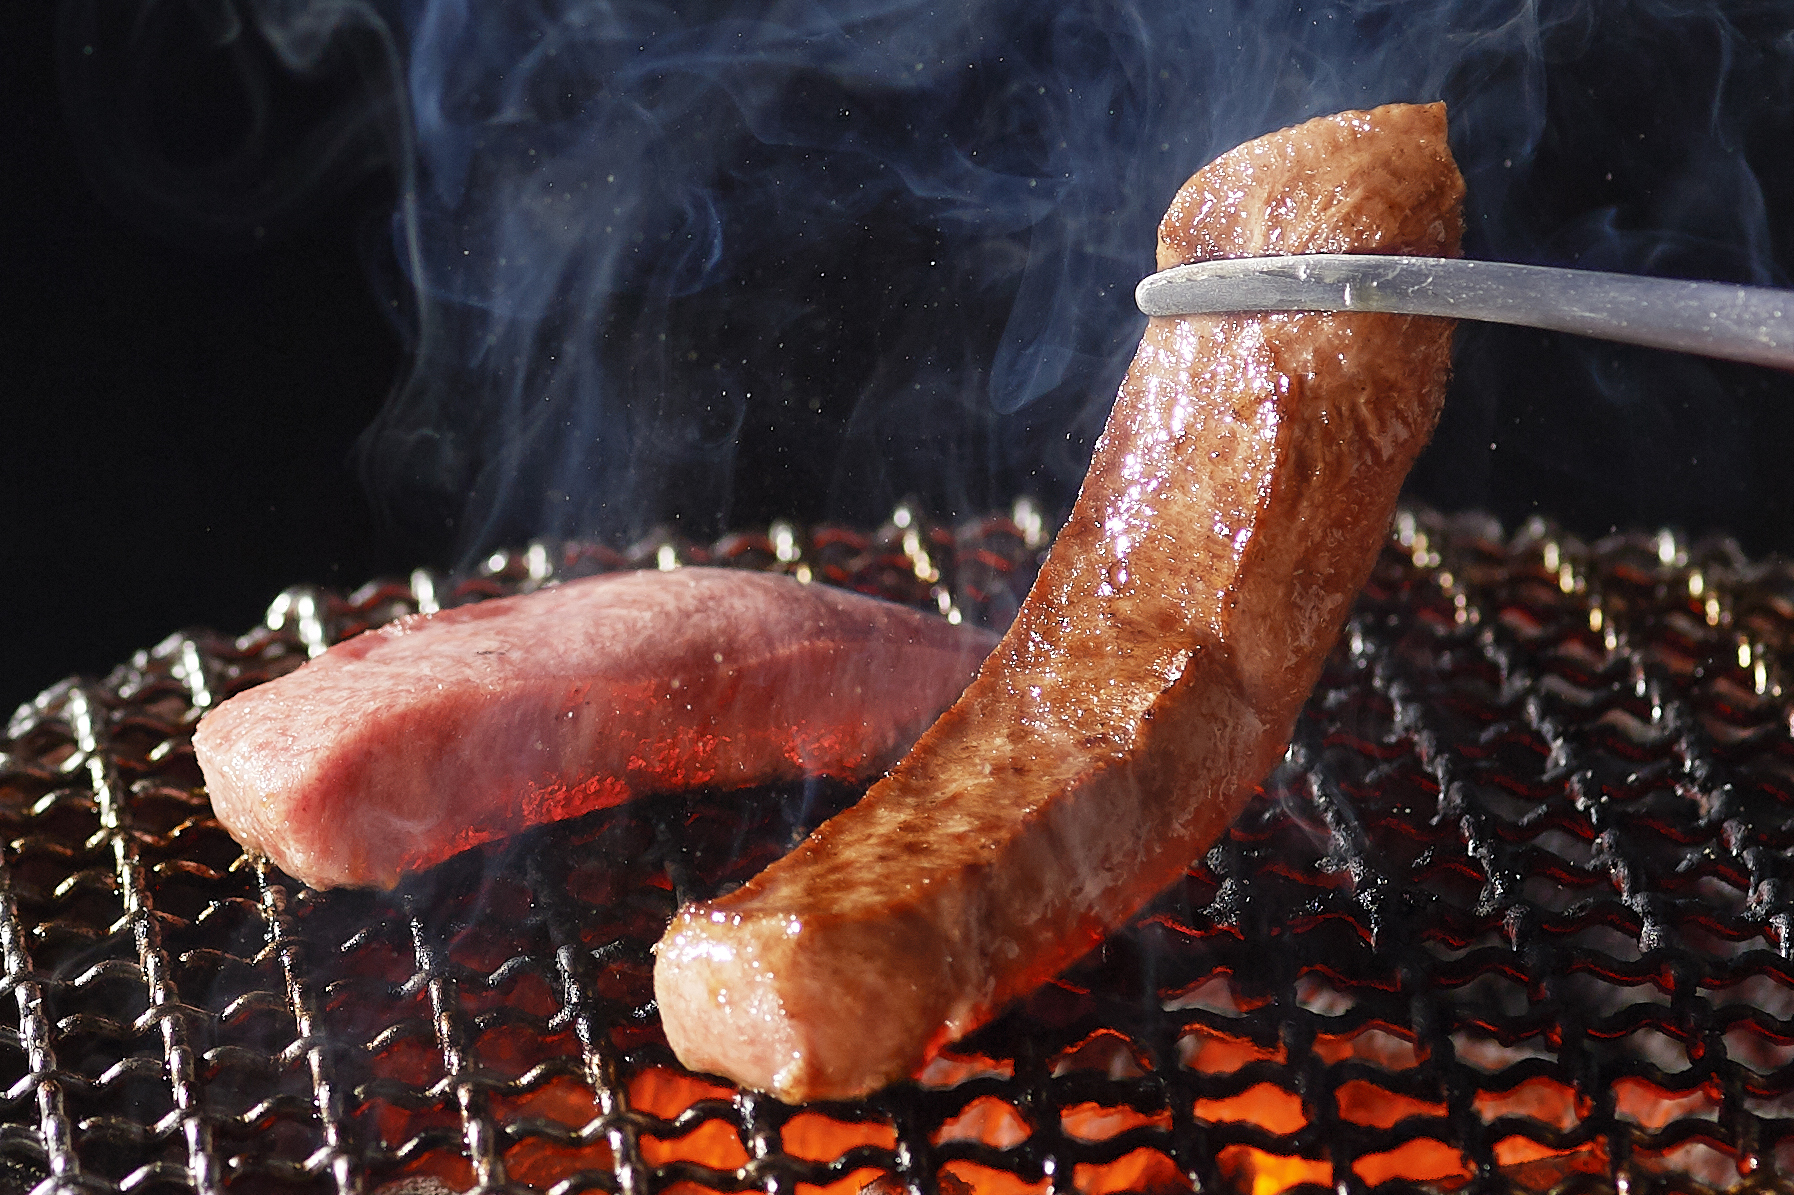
398,748
1234,506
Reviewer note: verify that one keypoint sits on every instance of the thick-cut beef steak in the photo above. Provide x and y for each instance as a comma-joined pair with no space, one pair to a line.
1234,507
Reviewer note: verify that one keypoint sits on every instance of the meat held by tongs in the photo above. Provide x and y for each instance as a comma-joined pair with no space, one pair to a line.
1232,511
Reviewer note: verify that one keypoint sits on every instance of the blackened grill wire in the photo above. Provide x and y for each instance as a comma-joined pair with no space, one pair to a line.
184,1019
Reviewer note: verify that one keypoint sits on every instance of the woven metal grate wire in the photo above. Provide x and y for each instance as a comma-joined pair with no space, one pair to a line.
1514,916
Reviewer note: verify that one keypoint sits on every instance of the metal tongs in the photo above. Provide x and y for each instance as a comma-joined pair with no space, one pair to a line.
1713,319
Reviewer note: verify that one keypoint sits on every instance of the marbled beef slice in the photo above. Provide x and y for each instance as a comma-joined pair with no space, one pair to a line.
414,741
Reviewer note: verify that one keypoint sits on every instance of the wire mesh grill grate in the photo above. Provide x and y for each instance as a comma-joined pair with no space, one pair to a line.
1514,915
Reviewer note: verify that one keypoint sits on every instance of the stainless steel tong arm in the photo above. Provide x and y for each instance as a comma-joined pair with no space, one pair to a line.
1713,319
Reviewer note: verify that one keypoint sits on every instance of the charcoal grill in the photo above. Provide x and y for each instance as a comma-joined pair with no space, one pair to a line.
1515,915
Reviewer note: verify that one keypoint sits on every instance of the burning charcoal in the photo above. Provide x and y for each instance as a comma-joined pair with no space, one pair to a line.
1277,1023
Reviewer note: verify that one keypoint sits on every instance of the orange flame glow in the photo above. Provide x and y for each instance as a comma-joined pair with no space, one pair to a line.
714,1140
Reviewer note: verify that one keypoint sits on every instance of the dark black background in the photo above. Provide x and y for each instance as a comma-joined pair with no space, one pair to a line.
178,409
180,402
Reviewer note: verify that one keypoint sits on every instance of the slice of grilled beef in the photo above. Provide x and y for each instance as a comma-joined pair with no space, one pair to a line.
1235,504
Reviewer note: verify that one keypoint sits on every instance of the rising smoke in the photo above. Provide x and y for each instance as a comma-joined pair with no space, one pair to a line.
696,265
